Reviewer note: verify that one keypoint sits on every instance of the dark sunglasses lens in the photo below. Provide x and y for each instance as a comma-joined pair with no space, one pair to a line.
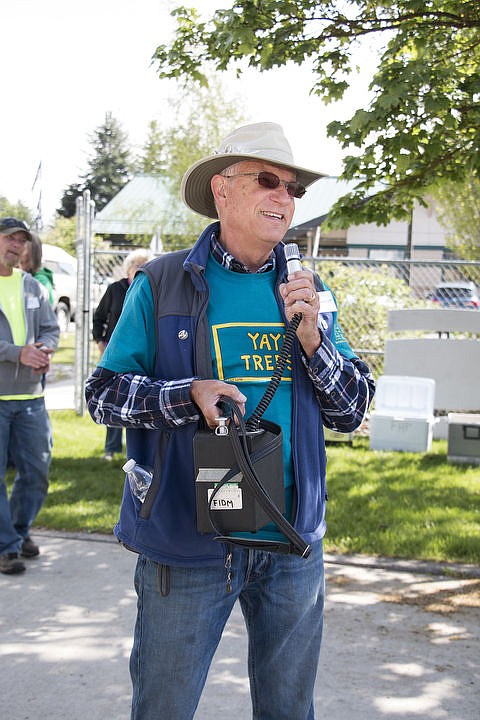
270,181
299,191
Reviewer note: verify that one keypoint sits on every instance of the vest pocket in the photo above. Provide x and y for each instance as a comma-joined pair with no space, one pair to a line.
152,493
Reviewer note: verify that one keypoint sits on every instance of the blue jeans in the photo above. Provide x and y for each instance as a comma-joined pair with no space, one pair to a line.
181,616
113,440
25,434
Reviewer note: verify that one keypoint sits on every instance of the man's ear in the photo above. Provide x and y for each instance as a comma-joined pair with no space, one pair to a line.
217,183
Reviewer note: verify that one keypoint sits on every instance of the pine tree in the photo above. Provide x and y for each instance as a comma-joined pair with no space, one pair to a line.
109,168
152,157
67,208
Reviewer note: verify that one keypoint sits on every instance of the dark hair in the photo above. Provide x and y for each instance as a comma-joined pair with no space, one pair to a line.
35,254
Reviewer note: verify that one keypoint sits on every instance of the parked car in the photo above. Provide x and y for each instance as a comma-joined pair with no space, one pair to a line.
64,268
457,295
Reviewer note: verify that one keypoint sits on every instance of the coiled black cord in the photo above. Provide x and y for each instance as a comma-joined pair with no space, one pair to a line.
254,419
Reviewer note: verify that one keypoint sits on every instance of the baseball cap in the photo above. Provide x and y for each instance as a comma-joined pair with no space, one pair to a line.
11,225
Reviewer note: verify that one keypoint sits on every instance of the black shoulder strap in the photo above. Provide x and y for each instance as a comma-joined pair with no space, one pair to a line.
296,544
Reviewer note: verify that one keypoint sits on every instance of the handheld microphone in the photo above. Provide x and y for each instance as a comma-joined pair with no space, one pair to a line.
292,256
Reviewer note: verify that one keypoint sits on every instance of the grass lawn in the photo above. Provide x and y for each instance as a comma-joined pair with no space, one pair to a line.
411,505
85,491
65,353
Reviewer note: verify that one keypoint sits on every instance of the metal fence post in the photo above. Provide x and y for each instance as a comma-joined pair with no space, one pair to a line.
85,208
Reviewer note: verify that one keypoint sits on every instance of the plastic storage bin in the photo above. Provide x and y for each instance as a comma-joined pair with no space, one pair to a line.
463,438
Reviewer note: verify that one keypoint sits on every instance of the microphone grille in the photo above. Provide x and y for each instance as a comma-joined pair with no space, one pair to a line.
292,252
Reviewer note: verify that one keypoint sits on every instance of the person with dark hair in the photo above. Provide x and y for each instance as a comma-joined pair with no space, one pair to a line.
29,335
31,262
201,329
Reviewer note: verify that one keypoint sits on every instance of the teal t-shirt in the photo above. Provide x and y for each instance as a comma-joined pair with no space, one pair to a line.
246,334
135,350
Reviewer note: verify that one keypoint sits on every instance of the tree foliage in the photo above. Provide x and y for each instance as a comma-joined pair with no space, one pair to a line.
151,160
422,125
68,200
459,211
17,210
199,118
63,233
109,168
365,322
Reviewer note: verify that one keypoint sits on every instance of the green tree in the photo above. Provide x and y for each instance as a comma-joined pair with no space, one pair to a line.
201,117
16,210
109,167
63,233
152,156
459,211
422,125
365,322
68,201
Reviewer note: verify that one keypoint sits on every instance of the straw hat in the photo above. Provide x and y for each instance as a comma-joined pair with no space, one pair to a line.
260,141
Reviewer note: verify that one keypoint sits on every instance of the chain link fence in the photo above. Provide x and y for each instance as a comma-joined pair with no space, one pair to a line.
365,291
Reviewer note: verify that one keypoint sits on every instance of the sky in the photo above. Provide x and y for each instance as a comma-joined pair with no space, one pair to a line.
65,64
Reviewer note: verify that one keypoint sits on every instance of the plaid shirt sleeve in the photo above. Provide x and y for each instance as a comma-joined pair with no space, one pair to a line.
130,400
344,388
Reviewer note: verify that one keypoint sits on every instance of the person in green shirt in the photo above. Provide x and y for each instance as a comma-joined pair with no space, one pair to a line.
31,262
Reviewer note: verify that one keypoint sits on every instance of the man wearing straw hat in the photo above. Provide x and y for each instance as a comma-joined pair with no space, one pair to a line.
197,326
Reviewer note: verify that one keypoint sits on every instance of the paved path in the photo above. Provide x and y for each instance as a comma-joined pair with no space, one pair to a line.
400,643
60,395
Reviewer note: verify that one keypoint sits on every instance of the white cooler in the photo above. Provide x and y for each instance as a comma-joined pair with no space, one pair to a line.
403,416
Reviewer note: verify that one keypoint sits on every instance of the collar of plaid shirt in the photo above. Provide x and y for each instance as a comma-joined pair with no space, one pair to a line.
228,261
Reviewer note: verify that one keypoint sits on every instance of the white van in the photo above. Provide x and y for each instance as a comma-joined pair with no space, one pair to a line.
64,269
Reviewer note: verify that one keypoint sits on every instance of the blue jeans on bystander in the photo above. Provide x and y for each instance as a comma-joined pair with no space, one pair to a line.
113,440
25,434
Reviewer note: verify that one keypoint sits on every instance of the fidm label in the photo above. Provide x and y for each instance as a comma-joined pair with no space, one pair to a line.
229,497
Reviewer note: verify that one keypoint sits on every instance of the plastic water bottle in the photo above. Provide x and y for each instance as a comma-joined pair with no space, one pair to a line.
139,478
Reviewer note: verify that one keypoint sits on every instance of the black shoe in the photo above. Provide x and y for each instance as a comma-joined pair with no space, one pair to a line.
10,564
29,549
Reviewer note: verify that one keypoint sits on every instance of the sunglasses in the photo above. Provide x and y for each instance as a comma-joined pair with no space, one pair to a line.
270,181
